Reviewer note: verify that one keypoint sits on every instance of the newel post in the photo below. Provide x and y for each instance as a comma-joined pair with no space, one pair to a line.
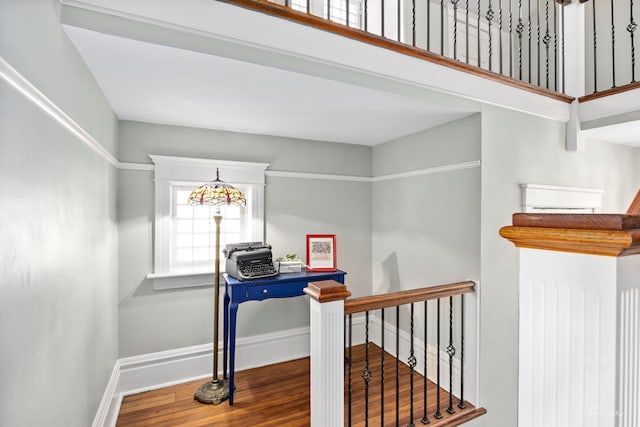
327,352
579,289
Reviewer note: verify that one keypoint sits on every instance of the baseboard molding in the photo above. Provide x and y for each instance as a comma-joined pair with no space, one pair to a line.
151,371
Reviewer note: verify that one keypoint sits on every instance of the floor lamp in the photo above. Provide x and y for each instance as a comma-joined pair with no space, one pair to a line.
215,193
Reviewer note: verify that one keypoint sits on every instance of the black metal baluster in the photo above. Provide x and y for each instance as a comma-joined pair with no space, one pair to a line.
451,351
510,38
350,368
595,48
555,45
382,353
479,33
397,365
429,25
382,18
398,3
455,28
500,32
347,5
366,373
631,28
613,47
538,33
366,15
329,10
425,419
563,54
441,27
438,414
412,364
461,404
546,40
529,41
490,14
308,6
519,30
413,22
466,32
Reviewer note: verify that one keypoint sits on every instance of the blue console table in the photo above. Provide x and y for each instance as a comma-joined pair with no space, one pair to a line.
235,292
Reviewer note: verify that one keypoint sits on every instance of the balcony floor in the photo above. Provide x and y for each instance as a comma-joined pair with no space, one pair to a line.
278,395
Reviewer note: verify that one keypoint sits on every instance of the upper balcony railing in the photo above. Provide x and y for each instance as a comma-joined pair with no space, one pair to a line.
518,42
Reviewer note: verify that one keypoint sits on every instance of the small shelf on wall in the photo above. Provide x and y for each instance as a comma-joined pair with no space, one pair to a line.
537,198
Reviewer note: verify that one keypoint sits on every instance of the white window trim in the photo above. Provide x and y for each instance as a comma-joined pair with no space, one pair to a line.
169,170
552,198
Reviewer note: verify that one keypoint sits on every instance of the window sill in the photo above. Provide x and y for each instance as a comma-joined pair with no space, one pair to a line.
179,280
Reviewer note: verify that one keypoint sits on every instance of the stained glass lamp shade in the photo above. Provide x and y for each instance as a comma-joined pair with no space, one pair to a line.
215,193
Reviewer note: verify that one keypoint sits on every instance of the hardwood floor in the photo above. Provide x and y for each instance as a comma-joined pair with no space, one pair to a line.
278,395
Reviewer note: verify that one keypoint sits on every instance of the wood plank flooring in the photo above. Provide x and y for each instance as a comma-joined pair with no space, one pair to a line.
278,395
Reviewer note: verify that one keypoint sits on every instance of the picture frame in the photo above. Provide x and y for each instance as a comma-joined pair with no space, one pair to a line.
321,252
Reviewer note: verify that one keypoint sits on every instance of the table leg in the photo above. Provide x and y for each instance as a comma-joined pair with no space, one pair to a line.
233,311
225,333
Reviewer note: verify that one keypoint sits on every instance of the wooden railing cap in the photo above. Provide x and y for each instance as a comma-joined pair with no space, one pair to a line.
596,234
327,291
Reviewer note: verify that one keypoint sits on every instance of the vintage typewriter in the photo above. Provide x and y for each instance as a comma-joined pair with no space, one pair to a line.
249,261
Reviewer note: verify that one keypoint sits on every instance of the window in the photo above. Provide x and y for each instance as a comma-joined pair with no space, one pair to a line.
184,235
338,10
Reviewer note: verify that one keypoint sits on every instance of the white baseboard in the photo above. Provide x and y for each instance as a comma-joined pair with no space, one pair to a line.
151,371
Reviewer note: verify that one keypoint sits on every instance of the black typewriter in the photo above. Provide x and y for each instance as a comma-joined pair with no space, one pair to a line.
249,261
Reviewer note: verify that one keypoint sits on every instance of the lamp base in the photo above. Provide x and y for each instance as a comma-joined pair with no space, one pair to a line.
214,392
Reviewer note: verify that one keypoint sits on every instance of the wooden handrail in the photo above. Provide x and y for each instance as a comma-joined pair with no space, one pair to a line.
374,302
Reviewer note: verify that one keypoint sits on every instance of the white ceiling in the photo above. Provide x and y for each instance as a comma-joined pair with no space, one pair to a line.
159,84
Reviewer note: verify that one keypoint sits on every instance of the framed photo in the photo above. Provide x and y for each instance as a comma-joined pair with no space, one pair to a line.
321,252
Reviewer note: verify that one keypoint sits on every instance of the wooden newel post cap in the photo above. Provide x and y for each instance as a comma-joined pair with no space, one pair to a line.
327,291
596,234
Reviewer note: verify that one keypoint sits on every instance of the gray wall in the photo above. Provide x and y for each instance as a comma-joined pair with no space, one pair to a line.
160,320
57,209
518,148
426,228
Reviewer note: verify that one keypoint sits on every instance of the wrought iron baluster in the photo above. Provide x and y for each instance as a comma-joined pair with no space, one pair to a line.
413,22
382,18
538,33
490,14
425,418
510,38
455,28
546,40
366,372
412,364
461,404
329,10
398,18
382,353
529,38
595,48
451,351
347,6
613,46
466,32
366,15
519,30
308,6
438,414
441,27
555,45
500,33
563,54
429,25
479,61
349,395
631,28
397,365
